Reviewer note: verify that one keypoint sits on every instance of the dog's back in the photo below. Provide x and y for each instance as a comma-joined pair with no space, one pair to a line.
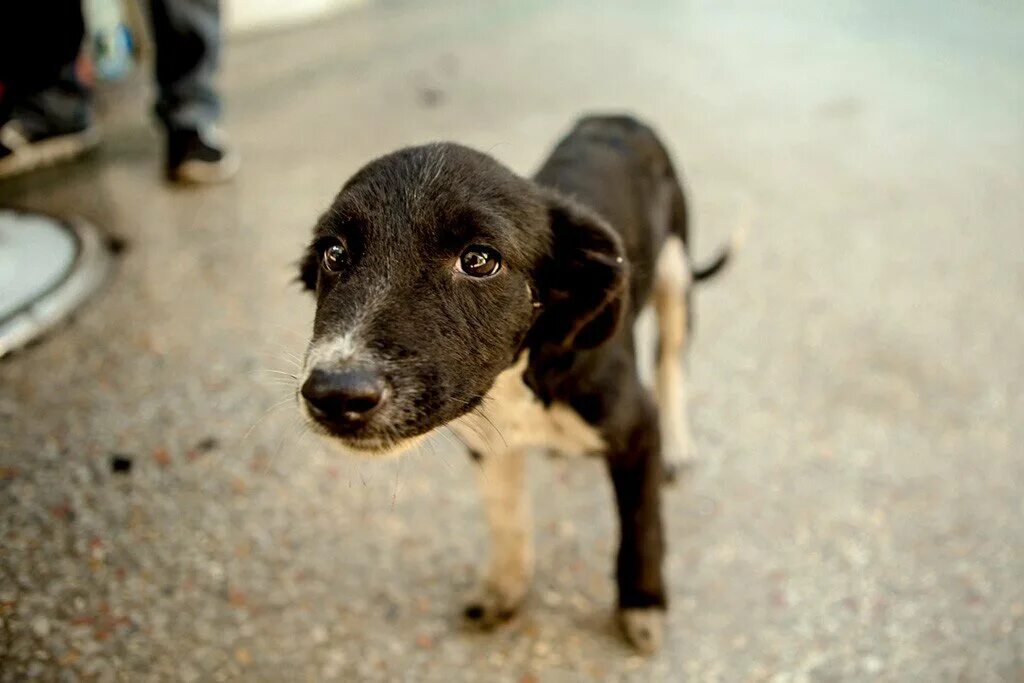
617,166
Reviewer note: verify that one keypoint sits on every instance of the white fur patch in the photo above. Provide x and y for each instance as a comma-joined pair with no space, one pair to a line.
512,417
333,351
341,348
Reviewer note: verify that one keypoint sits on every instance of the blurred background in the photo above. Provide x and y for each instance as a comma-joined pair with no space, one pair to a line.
856,378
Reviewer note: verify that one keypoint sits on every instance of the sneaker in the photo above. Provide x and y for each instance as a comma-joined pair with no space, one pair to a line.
22,151
199,156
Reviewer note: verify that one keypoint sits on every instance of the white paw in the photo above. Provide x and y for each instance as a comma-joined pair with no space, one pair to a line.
643,627
677,456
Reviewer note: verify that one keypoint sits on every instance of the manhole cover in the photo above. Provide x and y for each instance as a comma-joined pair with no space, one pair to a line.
48,267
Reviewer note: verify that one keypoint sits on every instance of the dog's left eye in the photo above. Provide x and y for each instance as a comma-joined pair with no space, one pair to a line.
334,257
479,261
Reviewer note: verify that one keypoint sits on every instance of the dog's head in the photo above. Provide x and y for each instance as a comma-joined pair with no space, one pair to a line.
433,269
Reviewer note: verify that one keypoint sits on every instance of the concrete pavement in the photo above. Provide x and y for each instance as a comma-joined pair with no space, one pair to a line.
856,378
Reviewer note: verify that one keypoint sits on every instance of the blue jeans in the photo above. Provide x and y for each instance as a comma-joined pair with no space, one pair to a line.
42,91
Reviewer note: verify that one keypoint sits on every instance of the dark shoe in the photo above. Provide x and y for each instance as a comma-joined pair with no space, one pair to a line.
199,156
22,150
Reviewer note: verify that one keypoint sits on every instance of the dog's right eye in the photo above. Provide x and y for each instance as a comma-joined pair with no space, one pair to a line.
334,257
479,261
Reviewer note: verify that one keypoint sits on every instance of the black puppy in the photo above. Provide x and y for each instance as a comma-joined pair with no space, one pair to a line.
452,292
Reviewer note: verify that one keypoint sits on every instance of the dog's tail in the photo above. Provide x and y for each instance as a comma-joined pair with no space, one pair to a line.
725,253
721,260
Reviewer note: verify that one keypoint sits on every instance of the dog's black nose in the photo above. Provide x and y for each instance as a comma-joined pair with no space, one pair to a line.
348,394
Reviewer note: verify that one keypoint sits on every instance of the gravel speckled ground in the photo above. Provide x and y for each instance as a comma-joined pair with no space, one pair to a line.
857,378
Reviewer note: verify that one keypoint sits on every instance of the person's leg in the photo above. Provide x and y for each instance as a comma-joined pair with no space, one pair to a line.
187,37
37,40
44,108
60,107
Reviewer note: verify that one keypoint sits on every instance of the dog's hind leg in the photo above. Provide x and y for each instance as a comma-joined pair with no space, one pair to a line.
502,479
672,281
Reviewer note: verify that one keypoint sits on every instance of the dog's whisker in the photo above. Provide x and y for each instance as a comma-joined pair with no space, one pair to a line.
290,386
475,428
451,438
285,354
264,415
303,430
272,371
436,452
398,475
287,381
286,349
293,364
476,411
279,381
293,372
287,365
294,432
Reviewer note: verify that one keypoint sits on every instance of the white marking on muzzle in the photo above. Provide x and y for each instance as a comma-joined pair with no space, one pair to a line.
333,351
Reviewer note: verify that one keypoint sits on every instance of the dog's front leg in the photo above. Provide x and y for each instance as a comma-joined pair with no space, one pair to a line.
635,467
502,479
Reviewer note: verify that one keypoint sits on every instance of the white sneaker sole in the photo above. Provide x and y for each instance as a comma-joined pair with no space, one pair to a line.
48,152
206,173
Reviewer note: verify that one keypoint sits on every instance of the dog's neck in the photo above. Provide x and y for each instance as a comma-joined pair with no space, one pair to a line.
514,415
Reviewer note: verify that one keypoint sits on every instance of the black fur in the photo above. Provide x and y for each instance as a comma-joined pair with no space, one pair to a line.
579,245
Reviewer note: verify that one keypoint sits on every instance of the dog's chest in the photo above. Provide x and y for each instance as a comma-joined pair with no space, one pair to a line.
511,416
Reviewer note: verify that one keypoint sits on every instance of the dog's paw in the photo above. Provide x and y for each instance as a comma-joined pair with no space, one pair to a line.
678,456
643,627
675,468
489,605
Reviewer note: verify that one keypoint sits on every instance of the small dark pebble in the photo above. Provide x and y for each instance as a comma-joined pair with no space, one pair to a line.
120,464
116,245
393,612
207,444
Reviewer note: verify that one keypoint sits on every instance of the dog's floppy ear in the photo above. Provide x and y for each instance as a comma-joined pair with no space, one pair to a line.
584,282
309,269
